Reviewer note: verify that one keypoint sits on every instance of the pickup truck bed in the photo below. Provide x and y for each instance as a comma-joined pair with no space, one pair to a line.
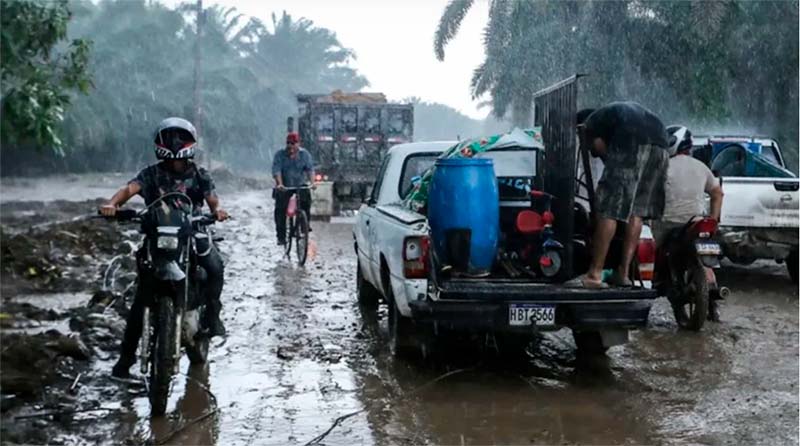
419,300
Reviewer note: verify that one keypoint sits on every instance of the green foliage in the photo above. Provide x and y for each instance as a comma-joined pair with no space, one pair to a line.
449,23
36,75
142,66
731,63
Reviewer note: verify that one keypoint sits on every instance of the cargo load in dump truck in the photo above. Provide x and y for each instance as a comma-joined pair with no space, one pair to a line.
348,134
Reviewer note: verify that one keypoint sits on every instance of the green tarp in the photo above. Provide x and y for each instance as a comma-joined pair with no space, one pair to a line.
417,199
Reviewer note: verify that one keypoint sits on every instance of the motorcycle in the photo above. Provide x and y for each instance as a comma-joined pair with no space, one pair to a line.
532,247
685,271
173,314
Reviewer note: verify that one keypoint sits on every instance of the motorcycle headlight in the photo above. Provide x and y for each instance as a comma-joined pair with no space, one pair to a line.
167,242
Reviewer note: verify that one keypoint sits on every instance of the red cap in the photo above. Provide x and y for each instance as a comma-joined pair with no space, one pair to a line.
292,137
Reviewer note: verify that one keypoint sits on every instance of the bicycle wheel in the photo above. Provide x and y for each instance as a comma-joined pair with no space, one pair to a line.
301,232
290,236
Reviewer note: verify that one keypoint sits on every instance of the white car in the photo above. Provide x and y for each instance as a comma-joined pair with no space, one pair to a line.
760,215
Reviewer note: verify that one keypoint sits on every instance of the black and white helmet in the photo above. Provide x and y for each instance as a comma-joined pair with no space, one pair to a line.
680,139
175,138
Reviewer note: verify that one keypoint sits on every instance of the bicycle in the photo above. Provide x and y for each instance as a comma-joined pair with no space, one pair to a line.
297,223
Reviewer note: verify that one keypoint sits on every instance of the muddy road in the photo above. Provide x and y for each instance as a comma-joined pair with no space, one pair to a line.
302,363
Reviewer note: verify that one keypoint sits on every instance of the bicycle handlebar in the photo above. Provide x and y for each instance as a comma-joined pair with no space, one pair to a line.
291,189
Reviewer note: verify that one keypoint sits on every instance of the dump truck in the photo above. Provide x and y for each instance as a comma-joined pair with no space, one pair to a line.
348,134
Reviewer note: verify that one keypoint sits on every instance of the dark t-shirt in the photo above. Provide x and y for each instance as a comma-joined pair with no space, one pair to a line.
155,181
626,126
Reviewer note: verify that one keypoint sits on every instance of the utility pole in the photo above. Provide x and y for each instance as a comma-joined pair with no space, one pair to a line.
196,98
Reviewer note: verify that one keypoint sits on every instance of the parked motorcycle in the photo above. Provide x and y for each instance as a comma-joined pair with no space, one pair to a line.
685,272
532,246
173,315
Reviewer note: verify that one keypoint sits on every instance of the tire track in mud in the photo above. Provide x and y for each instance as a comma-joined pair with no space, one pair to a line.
289,330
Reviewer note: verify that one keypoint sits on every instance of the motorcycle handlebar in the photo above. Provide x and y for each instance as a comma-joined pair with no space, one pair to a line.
133,215
205,219
121,215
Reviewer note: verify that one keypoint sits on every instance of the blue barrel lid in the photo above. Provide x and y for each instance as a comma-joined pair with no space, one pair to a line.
458,162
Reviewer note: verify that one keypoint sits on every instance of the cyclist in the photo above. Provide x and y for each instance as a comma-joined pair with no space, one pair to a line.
292,167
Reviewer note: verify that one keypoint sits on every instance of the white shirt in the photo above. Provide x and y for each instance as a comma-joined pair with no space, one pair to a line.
688,180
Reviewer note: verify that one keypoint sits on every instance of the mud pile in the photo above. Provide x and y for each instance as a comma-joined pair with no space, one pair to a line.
47,352
56,254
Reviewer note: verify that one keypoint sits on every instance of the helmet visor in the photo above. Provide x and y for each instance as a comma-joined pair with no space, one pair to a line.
174,139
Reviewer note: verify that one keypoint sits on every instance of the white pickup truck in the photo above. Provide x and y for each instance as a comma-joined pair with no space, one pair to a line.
392,244
761,208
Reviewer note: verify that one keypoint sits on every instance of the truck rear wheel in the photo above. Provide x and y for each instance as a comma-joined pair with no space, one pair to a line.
791,265
401,339
368,295
512,346
589,343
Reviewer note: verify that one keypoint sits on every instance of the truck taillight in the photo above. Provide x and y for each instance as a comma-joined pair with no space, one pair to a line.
646,253
415,257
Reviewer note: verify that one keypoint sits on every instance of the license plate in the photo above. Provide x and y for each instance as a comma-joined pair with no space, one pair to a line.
532,314
707,249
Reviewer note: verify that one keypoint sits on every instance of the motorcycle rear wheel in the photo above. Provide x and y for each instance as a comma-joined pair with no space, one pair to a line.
162,355
691,307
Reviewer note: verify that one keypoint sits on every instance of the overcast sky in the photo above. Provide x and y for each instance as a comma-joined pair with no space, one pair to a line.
393,41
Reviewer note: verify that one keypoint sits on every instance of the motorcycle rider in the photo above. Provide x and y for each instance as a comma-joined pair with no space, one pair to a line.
292,167
688,180
175,140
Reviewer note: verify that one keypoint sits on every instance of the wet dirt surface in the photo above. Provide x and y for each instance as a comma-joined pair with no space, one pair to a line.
301,354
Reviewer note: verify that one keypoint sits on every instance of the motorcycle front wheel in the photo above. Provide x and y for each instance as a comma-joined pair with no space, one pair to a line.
691,303
163,355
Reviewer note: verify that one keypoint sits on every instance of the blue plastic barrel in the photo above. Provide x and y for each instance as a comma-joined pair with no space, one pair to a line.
464,214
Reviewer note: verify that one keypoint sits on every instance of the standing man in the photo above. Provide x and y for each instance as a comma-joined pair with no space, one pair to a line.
632,142
292,167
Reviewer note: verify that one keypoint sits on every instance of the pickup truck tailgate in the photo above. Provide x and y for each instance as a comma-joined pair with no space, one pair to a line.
488,304
482,289
760,202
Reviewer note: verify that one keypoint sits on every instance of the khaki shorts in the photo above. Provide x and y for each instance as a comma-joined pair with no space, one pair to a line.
633,183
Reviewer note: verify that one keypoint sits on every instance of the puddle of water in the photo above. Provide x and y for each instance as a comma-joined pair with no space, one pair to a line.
53,301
